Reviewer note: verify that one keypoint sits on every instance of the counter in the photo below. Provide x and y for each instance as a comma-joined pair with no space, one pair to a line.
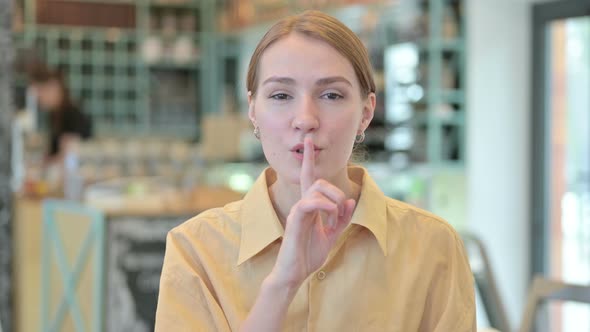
134,245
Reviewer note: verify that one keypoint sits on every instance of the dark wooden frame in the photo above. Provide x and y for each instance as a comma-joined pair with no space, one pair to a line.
6,213
542,14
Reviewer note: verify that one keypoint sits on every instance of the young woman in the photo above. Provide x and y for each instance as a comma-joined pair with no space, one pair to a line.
314,245
67,123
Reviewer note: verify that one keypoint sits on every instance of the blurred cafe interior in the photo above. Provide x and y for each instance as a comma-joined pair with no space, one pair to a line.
482,117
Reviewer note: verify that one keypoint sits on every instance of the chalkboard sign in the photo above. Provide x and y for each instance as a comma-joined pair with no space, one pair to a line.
135,254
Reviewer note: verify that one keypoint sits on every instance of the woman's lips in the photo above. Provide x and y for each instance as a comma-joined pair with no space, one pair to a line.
297,151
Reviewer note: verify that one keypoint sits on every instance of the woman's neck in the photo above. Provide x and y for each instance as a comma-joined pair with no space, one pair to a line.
284,194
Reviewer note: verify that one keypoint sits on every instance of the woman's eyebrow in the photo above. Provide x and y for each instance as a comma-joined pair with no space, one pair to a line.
276,79
332,79
321,82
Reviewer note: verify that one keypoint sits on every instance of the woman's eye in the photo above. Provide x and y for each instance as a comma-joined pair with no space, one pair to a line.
280,96
333,96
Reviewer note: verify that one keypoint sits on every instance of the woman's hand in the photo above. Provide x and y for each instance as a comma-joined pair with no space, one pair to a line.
313,225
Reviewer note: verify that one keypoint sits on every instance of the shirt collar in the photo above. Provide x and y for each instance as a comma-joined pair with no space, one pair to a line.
371,208
261,225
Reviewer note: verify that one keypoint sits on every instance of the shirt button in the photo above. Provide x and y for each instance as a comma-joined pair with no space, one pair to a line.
321,275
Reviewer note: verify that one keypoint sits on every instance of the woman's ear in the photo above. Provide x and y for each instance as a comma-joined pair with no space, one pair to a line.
368,111
251,114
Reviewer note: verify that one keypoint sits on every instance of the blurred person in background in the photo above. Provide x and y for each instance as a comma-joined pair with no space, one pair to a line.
67,123
315,245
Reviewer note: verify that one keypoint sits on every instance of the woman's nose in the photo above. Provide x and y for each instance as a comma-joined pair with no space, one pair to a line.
306,116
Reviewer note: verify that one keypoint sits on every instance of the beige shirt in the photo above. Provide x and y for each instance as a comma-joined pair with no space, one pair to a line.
395,268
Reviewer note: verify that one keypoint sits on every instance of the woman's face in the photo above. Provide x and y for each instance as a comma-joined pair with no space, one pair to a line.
306,87
49,94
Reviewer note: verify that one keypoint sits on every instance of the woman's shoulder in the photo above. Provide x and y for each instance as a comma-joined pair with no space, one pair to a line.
75,121
417,222
223,219
213,233
210,238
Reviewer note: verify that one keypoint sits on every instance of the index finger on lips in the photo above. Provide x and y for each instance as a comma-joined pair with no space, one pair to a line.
308,165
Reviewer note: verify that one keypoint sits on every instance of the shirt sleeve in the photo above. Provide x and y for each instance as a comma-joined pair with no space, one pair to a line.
451,298
185,303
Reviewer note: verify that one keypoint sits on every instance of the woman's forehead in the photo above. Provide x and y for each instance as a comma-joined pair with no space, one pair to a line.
297,56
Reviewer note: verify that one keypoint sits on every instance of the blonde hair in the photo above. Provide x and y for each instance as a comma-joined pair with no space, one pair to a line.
320,26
